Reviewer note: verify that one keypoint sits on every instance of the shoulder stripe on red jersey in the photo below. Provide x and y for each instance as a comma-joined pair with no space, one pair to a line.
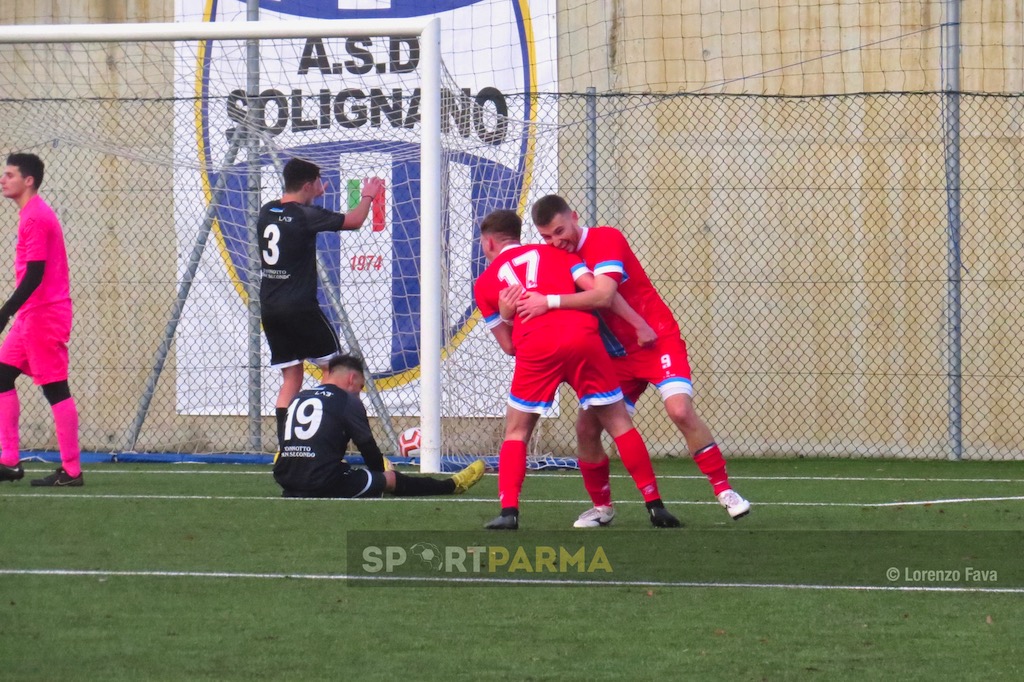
579,270
609,266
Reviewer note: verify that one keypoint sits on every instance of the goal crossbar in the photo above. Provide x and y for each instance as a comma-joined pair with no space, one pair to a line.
197,30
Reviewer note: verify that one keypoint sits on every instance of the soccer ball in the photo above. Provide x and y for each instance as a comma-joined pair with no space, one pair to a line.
409,442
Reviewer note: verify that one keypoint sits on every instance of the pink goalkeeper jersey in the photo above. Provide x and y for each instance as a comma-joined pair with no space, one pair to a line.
606,252
41,238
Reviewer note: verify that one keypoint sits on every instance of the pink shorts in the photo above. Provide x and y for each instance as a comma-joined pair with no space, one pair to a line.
665,364
37,343
579,360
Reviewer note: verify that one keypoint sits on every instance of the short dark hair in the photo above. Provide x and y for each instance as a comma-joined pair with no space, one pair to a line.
502,222
29,165
546,208
297,172
348,362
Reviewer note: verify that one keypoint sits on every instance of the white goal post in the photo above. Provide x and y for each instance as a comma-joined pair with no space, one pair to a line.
427,31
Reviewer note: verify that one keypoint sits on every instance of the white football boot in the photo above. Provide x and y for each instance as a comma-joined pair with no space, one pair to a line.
734,504
595,517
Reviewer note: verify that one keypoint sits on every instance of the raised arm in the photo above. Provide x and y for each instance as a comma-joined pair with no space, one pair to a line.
355,216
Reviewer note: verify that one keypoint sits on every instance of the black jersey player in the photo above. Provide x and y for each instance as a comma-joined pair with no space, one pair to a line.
319,424
296,328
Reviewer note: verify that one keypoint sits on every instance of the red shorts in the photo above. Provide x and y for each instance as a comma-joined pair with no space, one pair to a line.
663,364
580,360
37,343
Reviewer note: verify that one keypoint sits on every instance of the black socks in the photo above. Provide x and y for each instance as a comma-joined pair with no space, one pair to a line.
418,486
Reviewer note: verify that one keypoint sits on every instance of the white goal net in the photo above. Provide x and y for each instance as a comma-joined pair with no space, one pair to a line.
160,148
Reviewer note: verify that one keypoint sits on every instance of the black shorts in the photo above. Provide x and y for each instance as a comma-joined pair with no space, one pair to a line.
352,484
295,336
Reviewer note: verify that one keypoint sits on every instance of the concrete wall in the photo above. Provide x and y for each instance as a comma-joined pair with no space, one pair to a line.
801,241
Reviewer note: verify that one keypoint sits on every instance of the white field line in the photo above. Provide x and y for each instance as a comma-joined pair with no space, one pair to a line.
868,479
494,581
452,499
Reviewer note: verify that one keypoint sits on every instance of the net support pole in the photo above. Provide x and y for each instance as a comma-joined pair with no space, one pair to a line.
334,298
430,249
253,196
954,264
195,258
591,155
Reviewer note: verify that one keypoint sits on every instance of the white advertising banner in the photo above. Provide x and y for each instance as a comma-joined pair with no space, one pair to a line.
351,105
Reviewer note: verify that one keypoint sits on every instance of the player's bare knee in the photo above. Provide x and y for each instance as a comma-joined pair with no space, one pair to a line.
518,431
588,443
683,415
588,427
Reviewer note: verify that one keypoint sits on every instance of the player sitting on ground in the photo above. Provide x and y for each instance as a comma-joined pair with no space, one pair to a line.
318,426
561,347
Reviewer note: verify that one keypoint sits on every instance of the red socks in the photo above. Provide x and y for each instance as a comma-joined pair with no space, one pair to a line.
595,480
711,463
511,472
636,459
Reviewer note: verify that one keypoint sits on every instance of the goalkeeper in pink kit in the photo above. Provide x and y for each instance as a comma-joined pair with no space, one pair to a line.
37,342
661,361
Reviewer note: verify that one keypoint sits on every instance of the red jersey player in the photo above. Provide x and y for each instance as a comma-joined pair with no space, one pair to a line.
562,346
37,343
663,363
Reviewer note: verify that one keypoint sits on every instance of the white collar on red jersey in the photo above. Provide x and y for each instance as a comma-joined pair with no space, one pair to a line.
507,247
584,231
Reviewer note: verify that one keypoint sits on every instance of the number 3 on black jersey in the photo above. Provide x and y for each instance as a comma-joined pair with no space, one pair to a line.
272,233
304,418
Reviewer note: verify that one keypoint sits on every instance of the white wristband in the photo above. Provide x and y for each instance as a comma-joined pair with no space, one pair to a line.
554,301
507,321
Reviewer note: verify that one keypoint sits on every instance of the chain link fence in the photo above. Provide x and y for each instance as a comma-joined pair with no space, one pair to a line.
804,244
